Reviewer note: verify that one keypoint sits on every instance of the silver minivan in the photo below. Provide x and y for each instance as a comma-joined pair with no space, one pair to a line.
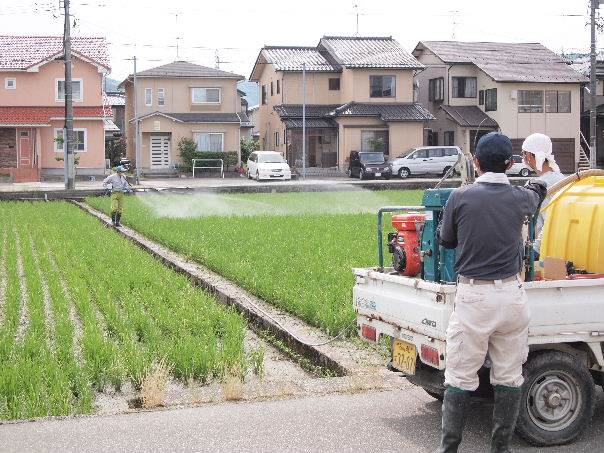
425,160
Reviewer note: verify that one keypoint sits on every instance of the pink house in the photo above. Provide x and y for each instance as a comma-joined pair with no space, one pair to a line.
32,115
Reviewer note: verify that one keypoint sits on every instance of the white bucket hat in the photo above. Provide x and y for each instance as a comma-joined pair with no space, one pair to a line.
541,146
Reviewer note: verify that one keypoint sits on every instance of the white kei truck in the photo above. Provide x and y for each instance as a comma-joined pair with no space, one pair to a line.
566,331
566,338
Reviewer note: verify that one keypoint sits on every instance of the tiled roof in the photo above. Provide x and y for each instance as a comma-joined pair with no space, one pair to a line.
23,52
312,111
368,52
116,99
469,116
291,59
316,123
506,62
244,119
198,117
41,116
186,69
386,112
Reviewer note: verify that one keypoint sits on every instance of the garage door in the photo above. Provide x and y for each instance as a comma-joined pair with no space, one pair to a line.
564,152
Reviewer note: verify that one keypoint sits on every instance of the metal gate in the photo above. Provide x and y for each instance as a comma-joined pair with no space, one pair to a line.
160,151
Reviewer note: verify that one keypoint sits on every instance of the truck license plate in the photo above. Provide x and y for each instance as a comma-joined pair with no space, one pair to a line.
378,175
404,356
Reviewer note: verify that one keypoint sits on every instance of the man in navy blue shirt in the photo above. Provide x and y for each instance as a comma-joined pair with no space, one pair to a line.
484,222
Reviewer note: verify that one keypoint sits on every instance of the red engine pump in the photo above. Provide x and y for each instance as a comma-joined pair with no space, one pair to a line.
405,244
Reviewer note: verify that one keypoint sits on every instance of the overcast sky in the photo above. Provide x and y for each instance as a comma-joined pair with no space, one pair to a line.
236,30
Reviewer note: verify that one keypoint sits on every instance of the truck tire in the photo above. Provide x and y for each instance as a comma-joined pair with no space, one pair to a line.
558,399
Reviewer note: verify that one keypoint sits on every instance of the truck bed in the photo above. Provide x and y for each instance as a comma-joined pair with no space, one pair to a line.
418,311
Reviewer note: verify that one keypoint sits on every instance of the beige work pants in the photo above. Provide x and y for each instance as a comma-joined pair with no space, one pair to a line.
493,319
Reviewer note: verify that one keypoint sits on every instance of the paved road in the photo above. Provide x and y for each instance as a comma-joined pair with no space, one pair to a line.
395,421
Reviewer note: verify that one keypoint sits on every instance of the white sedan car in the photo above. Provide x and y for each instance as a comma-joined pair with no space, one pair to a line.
267,165
519,168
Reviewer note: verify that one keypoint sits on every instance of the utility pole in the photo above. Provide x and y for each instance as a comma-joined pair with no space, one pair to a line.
592,87
137,148
68,139
303,120
356,9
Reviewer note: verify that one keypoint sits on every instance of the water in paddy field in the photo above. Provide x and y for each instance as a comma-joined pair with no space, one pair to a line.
299,203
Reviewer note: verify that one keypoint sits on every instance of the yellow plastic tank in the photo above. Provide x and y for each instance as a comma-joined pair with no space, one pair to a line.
574,225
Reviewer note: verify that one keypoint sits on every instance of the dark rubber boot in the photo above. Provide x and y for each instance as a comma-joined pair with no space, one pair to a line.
505,413
118,216
456,404
113,214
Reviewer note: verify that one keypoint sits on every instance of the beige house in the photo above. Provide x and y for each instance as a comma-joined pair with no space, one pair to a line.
473,88
178,100
359,97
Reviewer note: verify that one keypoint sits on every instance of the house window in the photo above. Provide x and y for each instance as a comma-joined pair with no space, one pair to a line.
209,141
334,83
481,97
76,90
374,141
530,101
161,96
436,92
382,86
148,97
10,83
80,144
557,101
205,95
490,100
278,86
464,87
277,143
449,138
272,94
264,95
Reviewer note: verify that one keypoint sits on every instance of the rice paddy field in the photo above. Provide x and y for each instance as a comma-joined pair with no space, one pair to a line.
294,250
82,309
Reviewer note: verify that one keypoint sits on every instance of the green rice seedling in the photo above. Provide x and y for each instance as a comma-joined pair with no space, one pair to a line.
101,311
256,361
294,250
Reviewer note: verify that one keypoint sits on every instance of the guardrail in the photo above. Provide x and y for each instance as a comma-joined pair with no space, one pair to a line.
208,167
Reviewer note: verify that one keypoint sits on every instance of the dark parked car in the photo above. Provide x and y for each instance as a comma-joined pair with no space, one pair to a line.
364,165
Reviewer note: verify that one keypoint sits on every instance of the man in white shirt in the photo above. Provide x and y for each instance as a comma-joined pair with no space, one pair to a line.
537,154
119,186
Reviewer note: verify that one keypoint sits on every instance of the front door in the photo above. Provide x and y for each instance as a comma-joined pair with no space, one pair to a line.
25,149
160,151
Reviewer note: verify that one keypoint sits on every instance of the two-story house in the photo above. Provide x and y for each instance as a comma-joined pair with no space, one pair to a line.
32,99
182,99
476,87
358,96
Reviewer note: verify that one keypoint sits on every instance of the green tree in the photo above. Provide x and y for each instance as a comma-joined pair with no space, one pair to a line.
248,146
115,150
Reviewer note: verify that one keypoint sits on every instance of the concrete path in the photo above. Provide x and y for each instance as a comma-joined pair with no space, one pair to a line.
395,421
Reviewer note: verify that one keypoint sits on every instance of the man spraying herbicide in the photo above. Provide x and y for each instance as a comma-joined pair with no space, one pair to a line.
484,222
119,186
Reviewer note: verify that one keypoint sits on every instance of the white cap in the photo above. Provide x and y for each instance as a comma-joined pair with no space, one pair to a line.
541,146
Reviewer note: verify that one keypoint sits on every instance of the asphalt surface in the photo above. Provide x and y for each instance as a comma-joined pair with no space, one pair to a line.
395,421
